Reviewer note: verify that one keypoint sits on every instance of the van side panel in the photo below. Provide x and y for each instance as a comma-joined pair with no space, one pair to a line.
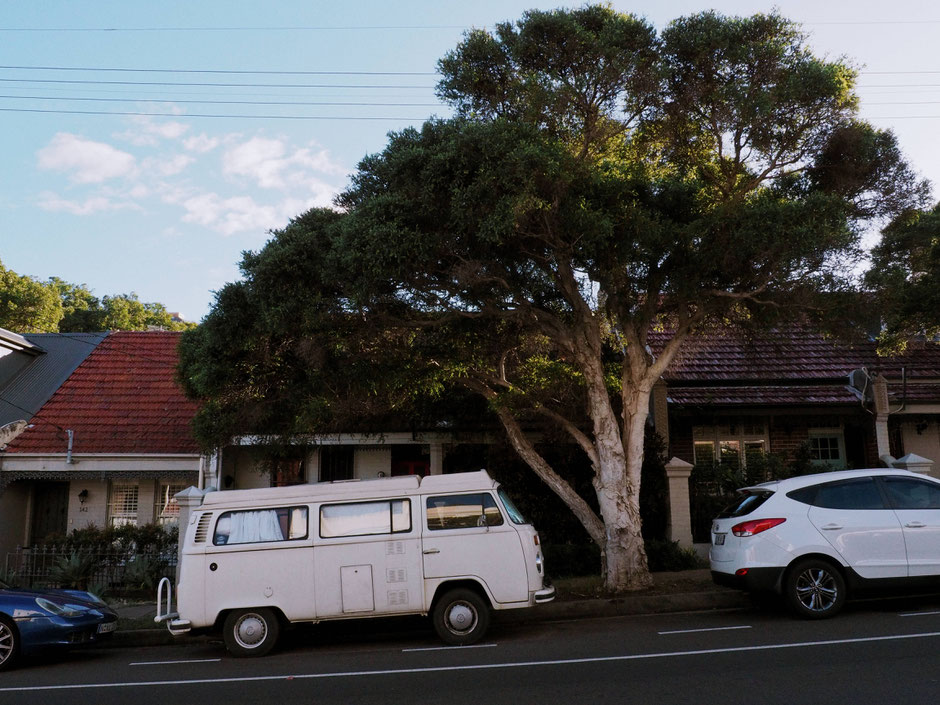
394,571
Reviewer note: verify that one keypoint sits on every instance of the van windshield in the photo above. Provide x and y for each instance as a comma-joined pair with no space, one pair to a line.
514,514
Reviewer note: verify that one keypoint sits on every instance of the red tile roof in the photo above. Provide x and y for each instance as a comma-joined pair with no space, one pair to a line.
792,353
767,395
122,399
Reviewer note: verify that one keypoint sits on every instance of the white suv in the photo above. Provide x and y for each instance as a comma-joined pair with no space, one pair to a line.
815,538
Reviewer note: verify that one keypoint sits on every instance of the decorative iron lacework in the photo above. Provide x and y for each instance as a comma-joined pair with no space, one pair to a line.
170,476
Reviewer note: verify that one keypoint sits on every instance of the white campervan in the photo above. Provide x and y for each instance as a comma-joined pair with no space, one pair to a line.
453,546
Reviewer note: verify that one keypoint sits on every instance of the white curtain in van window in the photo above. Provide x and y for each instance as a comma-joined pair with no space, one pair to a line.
251,527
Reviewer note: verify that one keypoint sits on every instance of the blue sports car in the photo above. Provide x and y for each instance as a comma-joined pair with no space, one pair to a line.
31,620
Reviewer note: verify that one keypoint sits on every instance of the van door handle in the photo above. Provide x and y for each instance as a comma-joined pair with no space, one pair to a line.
915,525
831,527
429,551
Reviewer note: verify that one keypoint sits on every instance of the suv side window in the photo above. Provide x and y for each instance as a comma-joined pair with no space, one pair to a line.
912,494
858,493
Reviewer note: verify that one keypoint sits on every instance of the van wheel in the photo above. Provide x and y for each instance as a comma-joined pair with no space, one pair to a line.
251,632
461,617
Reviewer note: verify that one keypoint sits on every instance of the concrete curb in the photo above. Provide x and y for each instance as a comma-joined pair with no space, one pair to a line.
552,611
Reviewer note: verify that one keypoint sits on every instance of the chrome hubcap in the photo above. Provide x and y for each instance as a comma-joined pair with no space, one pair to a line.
250,631
6,642
461,618
816,589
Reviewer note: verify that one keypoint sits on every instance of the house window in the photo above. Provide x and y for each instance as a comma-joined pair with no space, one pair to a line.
731,444
827,447
122,508
336,463
168,511
288,472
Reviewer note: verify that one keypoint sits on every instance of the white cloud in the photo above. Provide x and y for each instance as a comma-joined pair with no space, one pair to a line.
268,163
49,201
230,215
86,161
201,143
147,132
168,166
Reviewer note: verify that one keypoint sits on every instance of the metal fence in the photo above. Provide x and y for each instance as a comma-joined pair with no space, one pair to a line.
110,570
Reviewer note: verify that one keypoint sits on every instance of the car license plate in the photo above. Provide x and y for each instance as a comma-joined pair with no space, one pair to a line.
107,627
719,539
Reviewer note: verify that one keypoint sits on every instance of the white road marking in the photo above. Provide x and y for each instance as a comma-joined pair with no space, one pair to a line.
477,667
448,648
163,663
918,614
709,629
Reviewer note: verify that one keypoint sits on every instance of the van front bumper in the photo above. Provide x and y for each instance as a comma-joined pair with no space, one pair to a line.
546,594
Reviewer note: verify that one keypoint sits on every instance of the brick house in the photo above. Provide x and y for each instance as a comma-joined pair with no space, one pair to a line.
727,396
111,445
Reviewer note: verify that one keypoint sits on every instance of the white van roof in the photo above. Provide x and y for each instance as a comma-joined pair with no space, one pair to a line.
353,489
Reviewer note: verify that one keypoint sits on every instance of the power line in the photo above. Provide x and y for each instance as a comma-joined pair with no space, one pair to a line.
308,28
222,71
215,85
211,115
220,102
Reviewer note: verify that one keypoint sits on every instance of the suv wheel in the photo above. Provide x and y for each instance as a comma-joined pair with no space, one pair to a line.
814,589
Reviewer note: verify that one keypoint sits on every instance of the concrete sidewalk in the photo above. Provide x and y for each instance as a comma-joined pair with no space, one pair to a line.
684,591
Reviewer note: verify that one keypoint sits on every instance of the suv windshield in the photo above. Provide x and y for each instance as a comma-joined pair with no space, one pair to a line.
748,501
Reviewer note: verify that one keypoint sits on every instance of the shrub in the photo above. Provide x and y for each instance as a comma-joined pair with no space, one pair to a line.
670,556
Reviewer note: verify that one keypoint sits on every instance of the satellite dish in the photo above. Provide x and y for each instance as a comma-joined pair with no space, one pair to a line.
10,431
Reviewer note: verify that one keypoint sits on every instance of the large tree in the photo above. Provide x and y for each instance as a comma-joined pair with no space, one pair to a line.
905,272
600,186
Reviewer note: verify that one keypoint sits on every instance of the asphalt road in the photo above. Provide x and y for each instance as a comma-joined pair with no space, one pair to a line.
878,652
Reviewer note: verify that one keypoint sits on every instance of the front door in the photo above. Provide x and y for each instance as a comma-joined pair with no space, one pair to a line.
50,510
468,537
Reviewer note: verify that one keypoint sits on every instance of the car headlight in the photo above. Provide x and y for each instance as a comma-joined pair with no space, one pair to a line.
57,609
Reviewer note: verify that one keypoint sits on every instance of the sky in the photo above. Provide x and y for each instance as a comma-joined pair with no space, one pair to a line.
147,145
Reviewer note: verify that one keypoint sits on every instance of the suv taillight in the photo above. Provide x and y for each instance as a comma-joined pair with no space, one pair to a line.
749,528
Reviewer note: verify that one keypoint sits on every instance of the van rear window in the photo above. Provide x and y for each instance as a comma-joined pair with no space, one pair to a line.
261,525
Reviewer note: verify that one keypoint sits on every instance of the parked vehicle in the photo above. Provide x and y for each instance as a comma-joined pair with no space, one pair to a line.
31,620
818,538
450,546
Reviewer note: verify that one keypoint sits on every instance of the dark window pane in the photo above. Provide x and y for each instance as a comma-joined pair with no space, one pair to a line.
913,494
851,494
463,512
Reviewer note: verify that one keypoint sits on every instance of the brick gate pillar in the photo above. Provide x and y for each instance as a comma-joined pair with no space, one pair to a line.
680,512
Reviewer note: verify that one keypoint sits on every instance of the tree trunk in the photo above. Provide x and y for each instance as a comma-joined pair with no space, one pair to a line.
617,483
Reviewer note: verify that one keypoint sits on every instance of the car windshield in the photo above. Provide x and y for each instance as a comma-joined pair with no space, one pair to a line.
747,502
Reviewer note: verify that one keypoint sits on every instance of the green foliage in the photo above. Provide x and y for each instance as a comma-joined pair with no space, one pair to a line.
73,571
26,304
144,571
905,275
670,556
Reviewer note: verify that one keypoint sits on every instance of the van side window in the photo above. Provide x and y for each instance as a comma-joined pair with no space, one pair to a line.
463,511
365,518
258,525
